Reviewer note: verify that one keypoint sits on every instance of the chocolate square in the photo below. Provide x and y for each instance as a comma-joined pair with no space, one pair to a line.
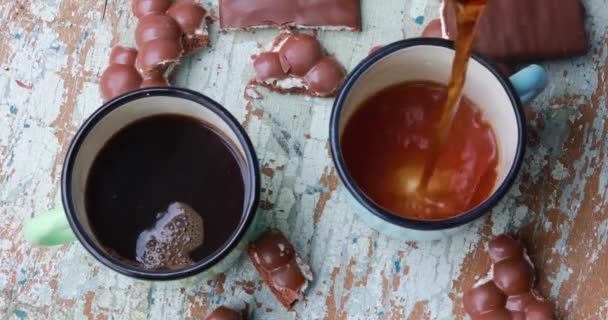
243,14
526,30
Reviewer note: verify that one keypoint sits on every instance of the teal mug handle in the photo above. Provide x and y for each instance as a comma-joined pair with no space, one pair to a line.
49,229
529,82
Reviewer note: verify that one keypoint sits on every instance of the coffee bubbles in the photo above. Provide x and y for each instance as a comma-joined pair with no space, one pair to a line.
167,245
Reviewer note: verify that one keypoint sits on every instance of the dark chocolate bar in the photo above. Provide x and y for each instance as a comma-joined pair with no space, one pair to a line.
509,292
243,14
526,30
279,265
297,63
224,313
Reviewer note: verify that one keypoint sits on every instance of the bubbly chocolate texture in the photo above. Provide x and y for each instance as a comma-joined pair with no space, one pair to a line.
510,295
167,30
243,14
545,29
279,265
224,313
299,57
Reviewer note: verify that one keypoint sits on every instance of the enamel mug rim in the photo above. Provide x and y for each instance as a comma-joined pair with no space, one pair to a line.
366,201
253,182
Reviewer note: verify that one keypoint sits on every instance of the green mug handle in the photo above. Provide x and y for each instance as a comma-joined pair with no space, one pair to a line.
49,229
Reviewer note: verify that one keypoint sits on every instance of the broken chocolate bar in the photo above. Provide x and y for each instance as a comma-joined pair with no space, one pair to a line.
166,31
224,313
509,292
243,14
120,76
545,29
297,63
279,265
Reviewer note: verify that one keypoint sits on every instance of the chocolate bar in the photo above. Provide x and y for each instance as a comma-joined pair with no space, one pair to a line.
279,265
434,30
525,30
509,292
166,31
297,63
243,14
224,313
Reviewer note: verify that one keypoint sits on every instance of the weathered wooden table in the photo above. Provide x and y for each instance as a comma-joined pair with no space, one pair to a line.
51,55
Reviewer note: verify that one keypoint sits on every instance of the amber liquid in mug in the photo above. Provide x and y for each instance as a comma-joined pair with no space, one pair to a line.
420,149
165,192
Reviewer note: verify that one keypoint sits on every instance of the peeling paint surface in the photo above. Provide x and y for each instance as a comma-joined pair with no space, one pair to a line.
51,55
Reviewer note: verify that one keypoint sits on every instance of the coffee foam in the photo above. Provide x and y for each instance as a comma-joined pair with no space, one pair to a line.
168,244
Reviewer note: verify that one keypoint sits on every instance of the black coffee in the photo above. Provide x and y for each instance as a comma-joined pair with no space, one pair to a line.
165,192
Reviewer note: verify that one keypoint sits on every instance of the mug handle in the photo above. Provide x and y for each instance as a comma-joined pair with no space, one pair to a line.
529,82
49,229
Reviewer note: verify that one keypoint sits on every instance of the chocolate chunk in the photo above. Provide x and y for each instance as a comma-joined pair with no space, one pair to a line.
223,313
166,31
324,76
510,294
146,7
279,265
299,54
156,27
433,29
268,67
121,76
545,29
243,14
297,63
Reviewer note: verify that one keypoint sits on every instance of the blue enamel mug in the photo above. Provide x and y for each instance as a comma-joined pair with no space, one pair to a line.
499,98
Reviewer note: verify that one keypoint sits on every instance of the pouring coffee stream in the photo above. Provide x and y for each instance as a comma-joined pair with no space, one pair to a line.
467,15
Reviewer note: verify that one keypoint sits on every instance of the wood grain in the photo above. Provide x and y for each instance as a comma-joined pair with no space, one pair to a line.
51,55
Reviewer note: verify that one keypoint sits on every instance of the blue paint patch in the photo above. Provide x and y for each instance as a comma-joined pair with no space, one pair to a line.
381,313
20,314
397,266
17,36
11,159
26,125
419,20
85,35
12,109
55,47
22,282
150,297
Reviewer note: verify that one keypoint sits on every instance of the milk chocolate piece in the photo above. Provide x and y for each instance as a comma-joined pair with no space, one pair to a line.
224,313
297,63
167,30
243,14
121,76
433,29
191,19
510,294
147,7
279,265
545,29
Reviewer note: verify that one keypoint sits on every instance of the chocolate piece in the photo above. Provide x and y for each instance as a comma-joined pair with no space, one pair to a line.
297,64
299,53
243,14
433,29
156,27
223,313
282,270
166,32
510,294
545,29
146,7
191,19
121,76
